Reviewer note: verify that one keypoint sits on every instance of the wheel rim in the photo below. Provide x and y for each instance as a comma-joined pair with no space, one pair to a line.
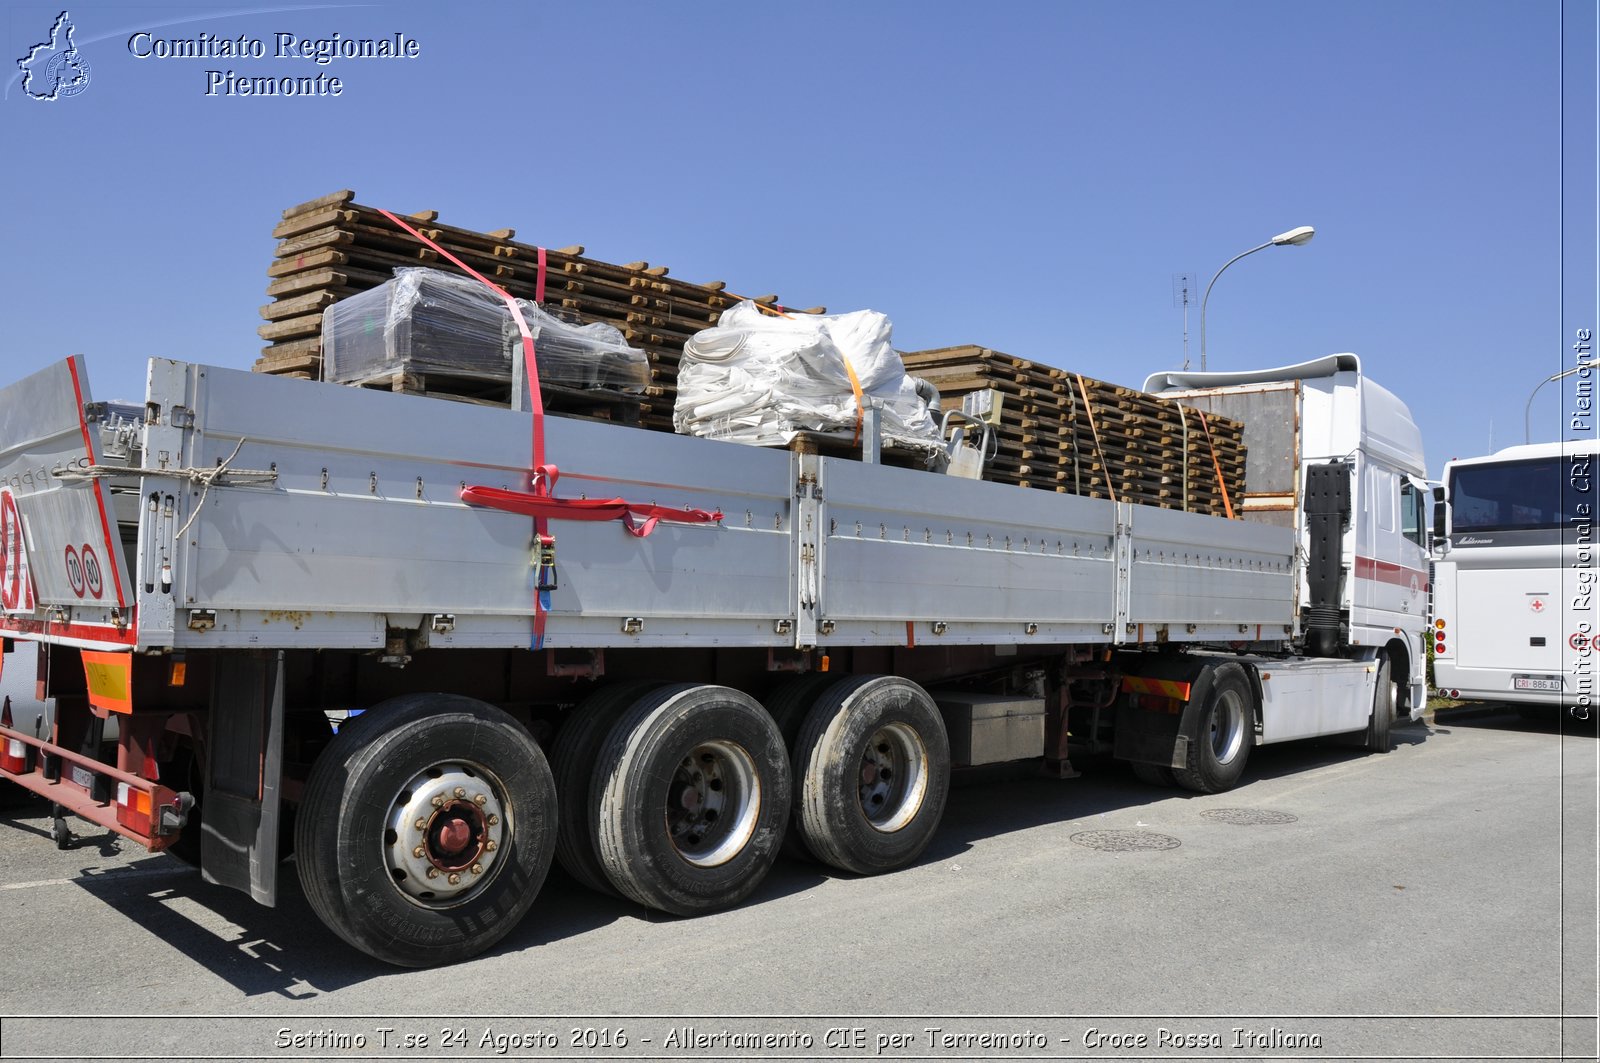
1227,726
894,777
713,803
446,833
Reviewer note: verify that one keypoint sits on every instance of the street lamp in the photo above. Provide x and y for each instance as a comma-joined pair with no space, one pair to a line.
1292,238
1527,433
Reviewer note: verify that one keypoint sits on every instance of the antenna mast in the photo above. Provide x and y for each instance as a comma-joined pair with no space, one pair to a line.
1183,295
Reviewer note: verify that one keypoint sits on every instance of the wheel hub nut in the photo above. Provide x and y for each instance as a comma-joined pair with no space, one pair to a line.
454,879
477,869
454,835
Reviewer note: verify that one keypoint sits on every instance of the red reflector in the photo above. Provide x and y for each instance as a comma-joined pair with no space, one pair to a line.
14,756
1455,693
1438,648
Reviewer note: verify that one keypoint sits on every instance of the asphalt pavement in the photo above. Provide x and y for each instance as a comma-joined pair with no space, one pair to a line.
1436,902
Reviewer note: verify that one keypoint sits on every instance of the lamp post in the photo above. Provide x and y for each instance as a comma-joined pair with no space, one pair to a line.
1527,412
1292,238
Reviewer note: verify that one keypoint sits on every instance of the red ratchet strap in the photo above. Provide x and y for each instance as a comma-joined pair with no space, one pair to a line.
547,507
530,368
539,501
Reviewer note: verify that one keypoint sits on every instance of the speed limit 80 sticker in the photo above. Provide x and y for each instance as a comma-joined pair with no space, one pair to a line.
83,571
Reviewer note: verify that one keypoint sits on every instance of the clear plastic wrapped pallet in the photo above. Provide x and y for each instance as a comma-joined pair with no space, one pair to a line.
756,377
429,321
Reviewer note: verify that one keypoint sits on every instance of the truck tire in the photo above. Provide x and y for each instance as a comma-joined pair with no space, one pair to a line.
572,759
874,765
1382,717
1219,724
1154,774
692,790
788,705
482,793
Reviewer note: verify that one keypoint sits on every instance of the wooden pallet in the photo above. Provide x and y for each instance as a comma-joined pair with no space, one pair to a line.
333,247
1065,432
591,404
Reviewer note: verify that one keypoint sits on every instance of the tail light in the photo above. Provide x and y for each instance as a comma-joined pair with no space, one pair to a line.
133,806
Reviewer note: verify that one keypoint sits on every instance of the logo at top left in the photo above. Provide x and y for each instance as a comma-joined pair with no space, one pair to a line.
55,69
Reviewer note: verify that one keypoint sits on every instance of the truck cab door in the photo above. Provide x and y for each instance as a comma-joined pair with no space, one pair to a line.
1414,541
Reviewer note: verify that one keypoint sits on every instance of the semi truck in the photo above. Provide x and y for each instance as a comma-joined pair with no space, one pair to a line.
429,648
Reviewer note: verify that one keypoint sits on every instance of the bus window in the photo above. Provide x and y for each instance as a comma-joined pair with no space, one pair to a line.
1506,497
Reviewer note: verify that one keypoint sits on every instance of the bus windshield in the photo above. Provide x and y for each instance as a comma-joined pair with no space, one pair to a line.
1507,496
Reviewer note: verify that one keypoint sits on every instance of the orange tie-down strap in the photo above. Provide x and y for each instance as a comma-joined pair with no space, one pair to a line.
638,518
850,371
1227,503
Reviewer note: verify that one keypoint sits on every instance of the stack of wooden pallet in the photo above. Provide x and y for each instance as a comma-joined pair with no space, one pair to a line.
1065,432
332,247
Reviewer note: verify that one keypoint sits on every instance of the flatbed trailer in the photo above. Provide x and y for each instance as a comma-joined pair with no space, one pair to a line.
378,631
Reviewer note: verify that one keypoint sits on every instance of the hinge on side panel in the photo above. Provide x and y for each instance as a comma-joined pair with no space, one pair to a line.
202,619
443,623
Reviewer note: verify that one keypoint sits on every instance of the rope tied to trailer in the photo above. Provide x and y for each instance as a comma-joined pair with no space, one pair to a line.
539,501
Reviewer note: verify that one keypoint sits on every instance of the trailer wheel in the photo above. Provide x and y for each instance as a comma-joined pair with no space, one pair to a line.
424,835
1154,774
1219,724
692,790
874,766
1383,701
572,759
788,706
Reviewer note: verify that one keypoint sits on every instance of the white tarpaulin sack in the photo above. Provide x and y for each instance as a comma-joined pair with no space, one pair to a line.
757,377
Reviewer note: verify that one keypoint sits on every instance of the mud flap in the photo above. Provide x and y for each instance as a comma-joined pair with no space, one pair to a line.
239,827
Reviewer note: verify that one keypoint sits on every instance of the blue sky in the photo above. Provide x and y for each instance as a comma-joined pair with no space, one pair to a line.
1024,176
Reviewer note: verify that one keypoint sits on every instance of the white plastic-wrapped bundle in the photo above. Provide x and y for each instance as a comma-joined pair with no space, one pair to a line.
759,378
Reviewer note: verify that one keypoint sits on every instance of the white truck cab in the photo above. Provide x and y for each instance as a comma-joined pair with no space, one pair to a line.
1339,458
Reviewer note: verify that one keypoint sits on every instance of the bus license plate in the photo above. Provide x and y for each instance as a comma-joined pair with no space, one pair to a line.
1537,682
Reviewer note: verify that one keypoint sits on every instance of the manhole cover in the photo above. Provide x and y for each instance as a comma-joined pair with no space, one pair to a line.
1125,841
1248,817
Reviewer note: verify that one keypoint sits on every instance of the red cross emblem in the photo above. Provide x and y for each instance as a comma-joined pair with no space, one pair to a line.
1537,605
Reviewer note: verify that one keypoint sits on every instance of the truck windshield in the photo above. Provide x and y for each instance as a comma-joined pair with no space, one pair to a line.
1507,496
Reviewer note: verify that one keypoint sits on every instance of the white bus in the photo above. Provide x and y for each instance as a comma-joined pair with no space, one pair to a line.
1514,601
